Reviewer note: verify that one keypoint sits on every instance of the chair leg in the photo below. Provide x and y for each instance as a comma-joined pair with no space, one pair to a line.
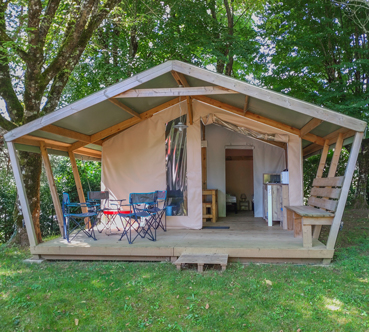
307,238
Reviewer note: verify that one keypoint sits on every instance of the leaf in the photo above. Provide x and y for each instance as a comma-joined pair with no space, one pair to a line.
207,306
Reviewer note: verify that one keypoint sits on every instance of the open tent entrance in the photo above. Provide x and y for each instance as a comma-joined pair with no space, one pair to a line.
239,180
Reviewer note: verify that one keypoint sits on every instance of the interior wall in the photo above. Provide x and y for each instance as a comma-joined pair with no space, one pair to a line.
267,159
239,174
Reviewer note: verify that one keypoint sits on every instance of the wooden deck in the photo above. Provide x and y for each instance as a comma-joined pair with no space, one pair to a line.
247,239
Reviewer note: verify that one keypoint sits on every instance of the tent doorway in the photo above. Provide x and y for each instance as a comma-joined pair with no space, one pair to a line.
239,180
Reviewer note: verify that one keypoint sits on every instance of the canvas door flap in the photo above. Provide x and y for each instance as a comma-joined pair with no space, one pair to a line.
217,120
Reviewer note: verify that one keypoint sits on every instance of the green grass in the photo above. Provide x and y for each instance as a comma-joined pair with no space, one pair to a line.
120,296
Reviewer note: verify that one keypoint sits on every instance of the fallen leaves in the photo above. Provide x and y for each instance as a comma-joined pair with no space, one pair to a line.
207,306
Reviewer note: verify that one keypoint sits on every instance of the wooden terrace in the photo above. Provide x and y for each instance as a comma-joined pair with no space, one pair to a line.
247,239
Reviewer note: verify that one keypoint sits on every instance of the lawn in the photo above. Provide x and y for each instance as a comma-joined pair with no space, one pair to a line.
120,296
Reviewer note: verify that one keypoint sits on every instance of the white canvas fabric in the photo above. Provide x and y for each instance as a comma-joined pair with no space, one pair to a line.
134,160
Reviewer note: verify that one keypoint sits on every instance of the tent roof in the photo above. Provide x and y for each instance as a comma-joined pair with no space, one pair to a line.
99,115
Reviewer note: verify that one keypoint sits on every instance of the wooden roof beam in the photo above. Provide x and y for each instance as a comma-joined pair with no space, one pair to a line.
310,126
54,145
259,118
52,129
180,78
332,138
173,92
124,107
131,122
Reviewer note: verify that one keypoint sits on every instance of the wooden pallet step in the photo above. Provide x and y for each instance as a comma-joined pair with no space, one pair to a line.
201,259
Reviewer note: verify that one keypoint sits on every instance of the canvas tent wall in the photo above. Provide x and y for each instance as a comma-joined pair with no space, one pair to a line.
134,160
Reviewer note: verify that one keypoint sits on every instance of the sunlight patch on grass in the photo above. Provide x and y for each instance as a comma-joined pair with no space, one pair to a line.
333,304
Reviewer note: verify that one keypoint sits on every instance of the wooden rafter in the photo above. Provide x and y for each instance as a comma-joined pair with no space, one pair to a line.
332,138
181,80
259,118
131,122
124,107
66,133
173,92
52,129
77,145
310,126
55,145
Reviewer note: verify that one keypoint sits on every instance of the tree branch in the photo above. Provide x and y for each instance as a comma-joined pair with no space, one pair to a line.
61,78
69,43
50,12
14,107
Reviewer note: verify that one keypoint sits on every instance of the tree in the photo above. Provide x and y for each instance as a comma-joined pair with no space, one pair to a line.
40,44
316,52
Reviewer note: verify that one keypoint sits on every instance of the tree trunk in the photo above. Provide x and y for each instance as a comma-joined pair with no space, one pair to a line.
31,166
361,199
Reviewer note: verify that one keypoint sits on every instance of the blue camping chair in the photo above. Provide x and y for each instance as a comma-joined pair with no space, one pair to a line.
139,220
75,222
159,210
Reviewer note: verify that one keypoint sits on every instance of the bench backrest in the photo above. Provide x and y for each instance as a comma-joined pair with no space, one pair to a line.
325,193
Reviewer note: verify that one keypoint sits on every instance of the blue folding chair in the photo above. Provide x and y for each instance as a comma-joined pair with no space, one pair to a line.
75,221
159,210
139,220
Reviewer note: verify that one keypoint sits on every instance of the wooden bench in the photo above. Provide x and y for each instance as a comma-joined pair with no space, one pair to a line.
307,221
201,259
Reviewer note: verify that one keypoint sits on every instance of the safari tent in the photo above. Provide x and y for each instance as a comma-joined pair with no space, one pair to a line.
237,136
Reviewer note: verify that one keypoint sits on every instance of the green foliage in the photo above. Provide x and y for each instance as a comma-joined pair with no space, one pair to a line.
8,195
313,51
90,173
140,35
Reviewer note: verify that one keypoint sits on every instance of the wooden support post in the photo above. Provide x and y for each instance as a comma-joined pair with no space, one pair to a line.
336,156
22,195
189,110
51,181
246,105
204,161
351,165
77,180
323,159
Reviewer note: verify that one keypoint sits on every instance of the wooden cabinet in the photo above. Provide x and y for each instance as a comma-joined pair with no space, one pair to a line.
275,198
